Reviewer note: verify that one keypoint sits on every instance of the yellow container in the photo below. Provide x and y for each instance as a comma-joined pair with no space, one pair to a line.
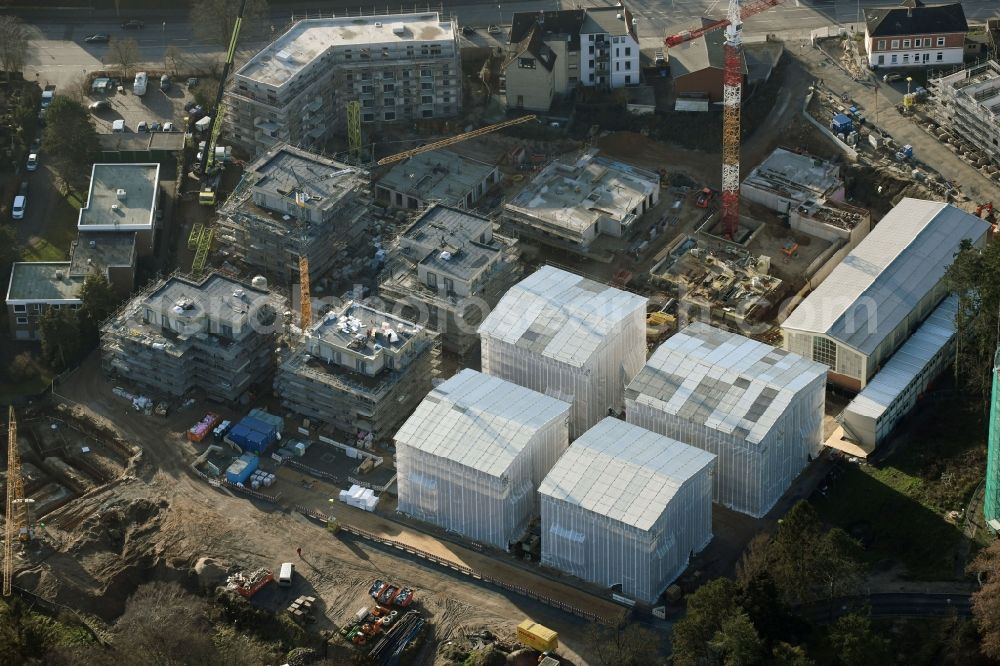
536,636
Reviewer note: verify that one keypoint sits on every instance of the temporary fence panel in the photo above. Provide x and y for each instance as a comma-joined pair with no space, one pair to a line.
627,507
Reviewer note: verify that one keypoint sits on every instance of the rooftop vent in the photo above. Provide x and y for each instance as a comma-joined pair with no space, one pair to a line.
283,56
120,193
398,28
59,275
445,256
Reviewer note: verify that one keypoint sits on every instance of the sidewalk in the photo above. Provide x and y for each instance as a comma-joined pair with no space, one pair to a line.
902,129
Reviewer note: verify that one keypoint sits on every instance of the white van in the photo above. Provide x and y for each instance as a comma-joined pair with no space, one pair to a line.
47,98
20,203
139,85
285,574
118,126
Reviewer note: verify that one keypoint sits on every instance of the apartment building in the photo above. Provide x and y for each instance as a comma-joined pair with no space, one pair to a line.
449,269
971,100
215,336
359,369
123,198
293,204
552,52
570,204
34,288
915,34
400,67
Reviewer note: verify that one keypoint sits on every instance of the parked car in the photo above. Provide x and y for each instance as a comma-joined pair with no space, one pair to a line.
468,31
892,76
164,82
155,127
133,24
494,30
20,203
142,127
192,82
99,38
169,127
32,162
99,105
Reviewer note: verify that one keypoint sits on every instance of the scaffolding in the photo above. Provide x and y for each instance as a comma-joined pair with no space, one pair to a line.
991,505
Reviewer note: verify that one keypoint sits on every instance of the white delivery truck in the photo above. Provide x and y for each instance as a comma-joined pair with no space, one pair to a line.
285,574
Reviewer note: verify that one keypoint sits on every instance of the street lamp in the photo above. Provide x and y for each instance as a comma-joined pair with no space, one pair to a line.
908,80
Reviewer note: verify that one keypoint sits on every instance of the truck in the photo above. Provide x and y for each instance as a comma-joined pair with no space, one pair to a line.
140,83
841,124
537,637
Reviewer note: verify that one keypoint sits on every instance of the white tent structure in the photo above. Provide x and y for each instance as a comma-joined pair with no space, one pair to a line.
758,408
625,506
471,456
568,337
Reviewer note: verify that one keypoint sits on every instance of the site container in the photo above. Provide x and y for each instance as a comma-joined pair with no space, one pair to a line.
537,636
242,468
267,417
238,435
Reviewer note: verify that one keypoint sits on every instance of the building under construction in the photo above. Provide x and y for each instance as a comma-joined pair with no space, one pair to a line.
971,100
724,284
215,335
294,203
359,370
448,270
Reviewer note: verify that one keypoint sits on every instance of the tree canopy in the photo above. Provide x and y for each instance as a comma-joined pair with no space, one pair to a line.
13,44
70,139
975,277
213,20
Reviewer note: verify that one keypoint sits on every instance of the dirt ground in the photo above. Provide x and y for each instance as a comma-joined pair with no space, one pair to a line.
158,519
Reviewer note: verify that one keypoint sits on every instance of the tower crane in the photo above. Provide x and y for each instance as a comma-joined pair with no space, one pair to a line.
16,527
453,140
732,79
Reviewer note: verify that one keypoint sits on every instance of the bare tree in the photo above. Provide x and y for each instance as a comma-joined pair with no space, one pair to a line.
78,89
174,60
13,44
213,20
125,53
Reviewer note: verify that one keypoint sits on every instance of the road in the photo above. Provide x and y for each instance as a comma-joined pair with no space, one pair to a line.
893,605
58,52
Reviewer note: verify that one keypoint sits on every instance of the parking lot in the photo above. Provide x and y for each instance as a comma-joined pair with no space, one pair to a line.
156,105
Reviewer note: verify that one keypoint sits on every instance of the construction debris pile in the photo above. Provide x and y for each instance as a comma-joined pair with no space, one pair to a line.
248,584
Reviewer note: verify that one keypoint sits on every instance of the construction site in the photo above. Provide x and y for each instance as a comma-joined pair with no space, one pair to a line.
305,389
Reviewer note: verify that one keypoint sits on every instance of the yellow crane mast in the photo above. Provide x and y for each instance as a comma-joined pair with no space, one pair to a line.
453,140
16,507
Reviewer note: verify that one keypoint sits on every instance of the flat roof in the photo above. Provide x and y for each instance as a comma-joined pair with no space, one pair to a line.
560,315
577,196
605,20
879,283
479,421
439,175
305,178
983,88
723,381
121,197
43,282
216,294
624,472
445,224
141,141
908,361
795,175
363,329
100,250
310,39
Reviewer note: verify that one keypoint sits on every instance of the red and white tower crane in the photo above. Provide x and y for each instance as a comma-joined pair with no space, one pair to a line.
732,96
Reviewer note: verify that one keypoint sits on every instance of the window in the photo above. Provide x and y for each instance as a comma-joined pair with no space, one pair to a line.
618,66
367,117
359,364
526,63
628,51
388,87
432,280
425,73
591,78
36,308
881,60
590,37
940,41
366,76
825,351
939,57
573,66
894,58
427,85
366,89
592,64
20,308
615,39
906,58
895,44
22,320
389,101
906,43
54,306
427,99
427,113
389,75
881,45
618,52
367,103
591,50
449,286
628,79
628,64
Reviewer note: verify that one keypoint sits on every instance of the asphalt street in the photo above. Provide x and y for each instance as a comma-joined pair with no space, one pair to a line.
58,52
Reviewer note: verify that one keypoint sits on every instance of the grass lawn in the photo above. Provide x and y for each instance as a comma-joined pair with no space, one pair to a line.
53,244
898,507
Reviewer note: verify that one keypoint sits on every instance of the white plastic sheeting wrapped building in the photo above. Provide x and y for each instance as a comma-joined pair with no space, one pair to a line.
568,337
625,506
471,456
758,408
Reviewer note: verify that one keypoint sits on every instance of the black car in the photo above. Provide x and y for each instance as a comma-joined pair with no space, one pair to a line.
23,190
133,24
99,38
468,31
